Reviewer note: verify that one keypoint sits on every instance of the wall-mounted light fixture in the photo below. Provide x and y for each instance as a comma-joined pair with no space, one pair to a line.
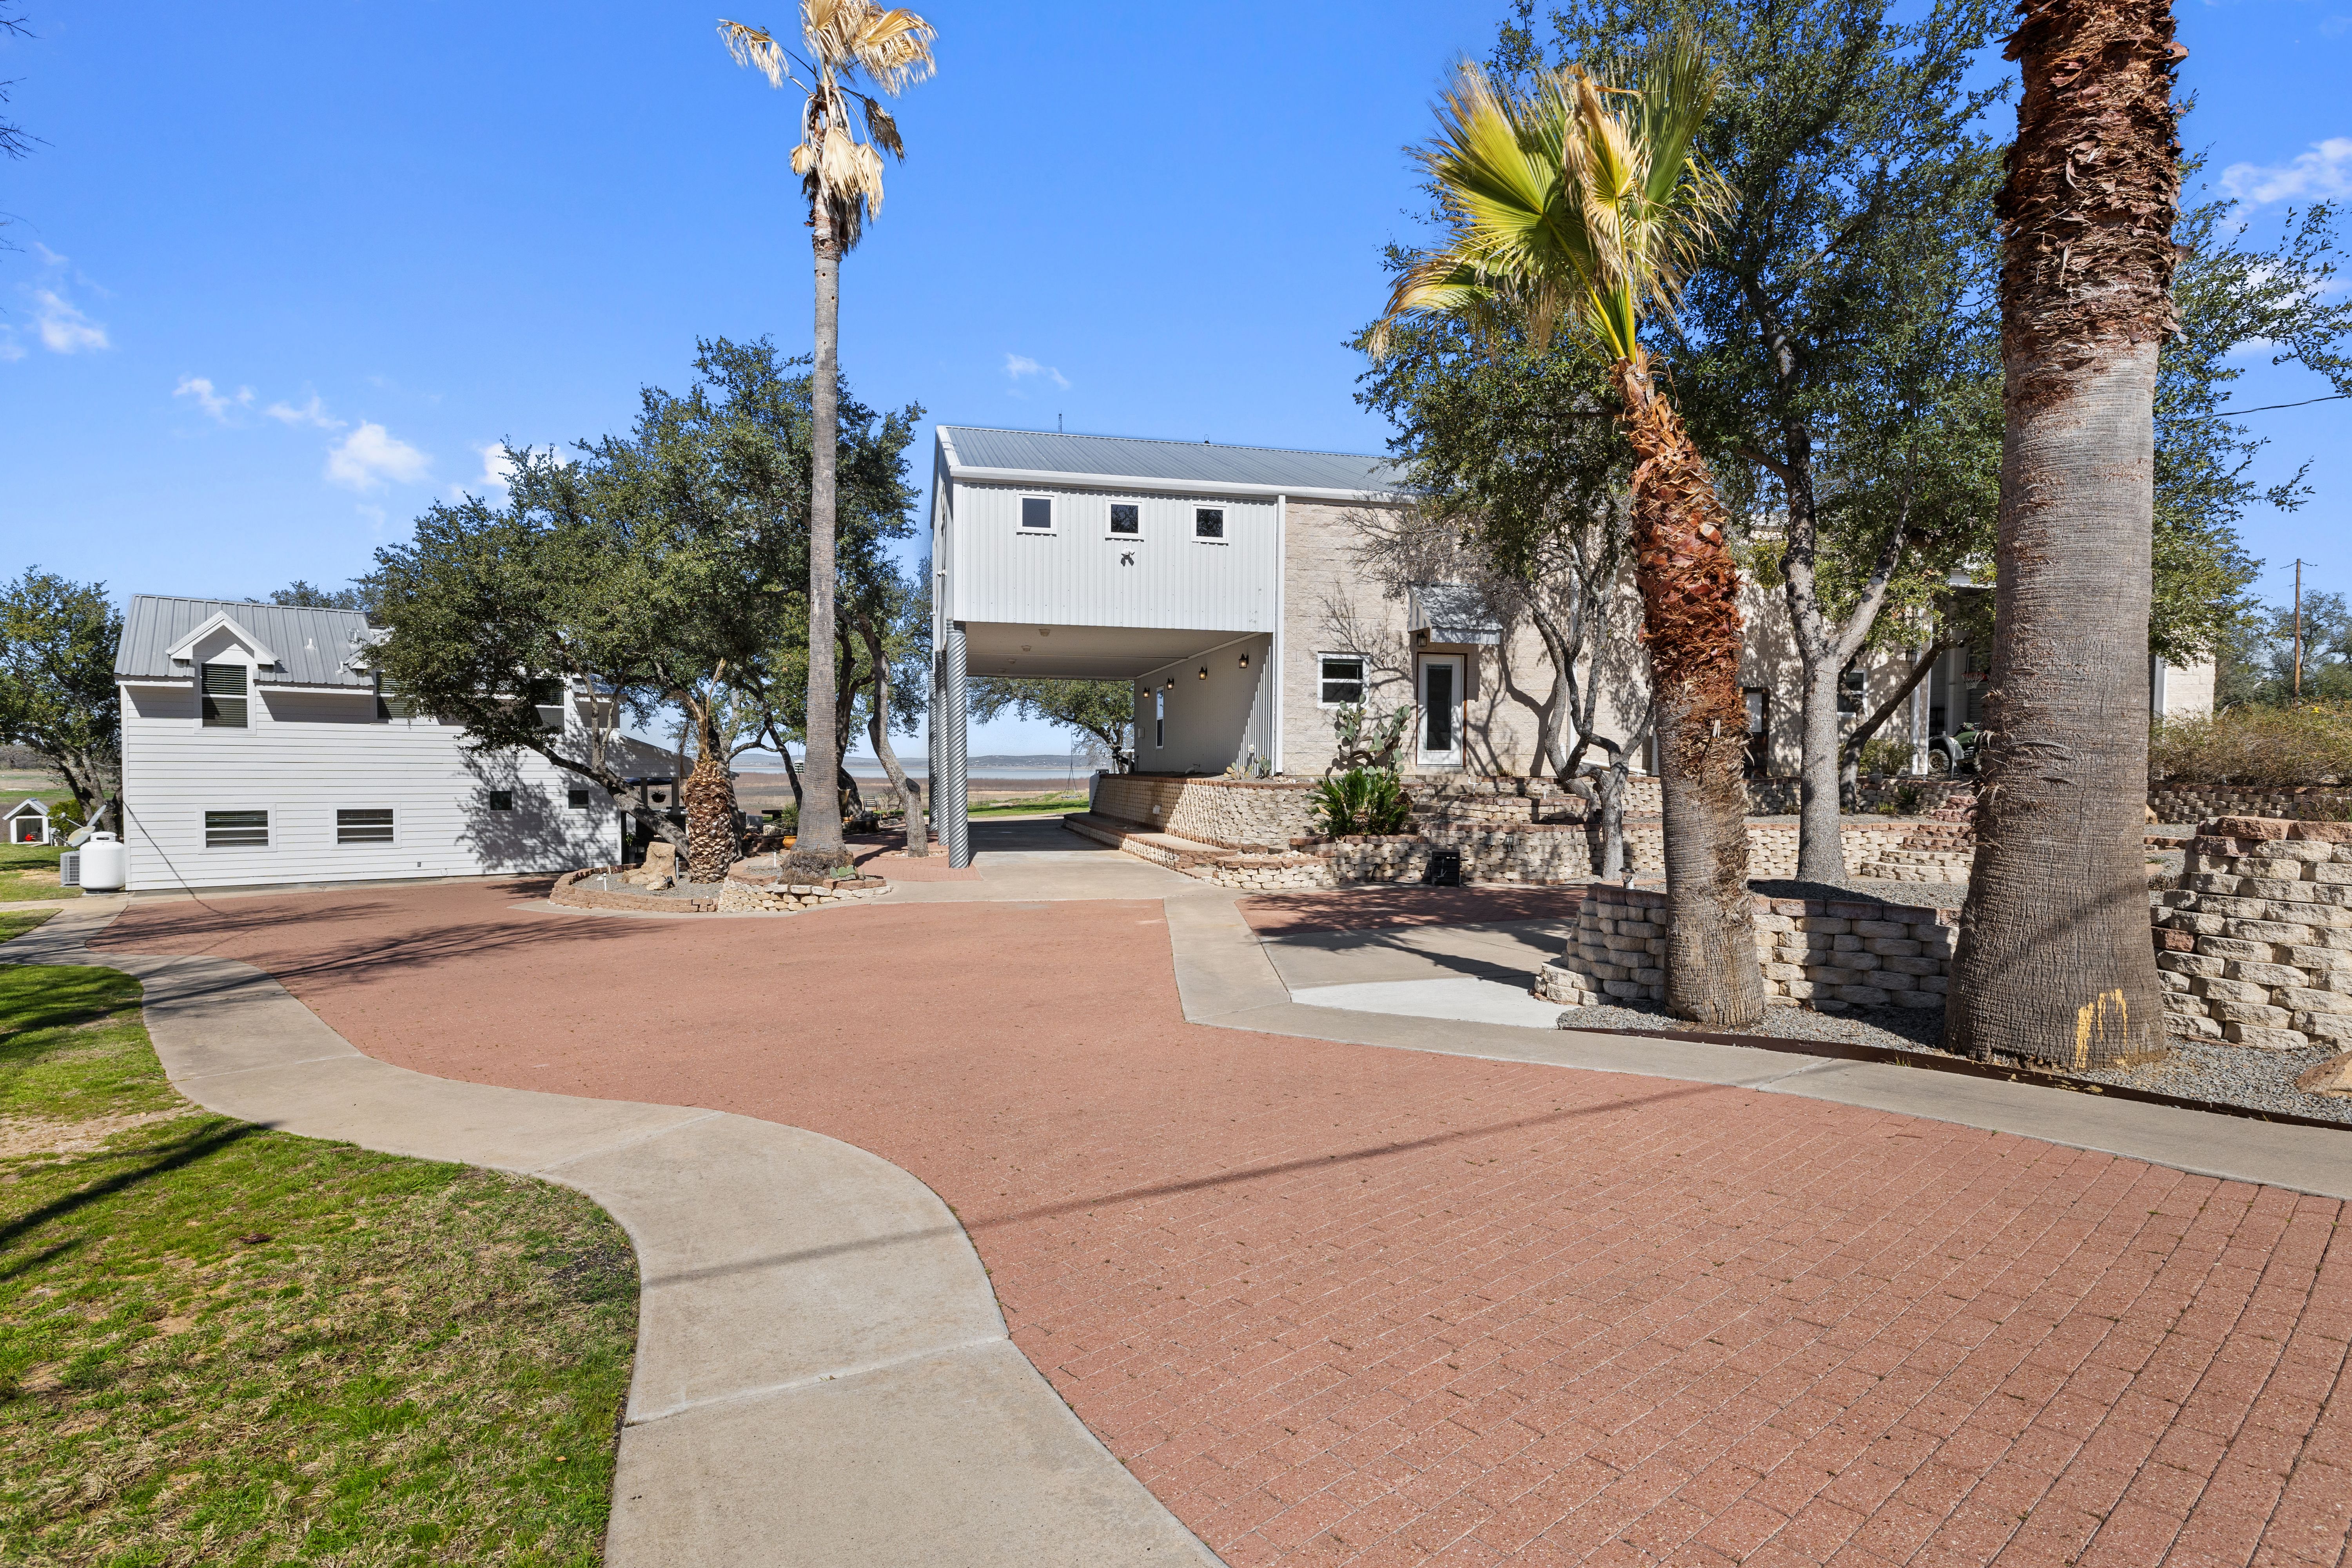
1205,673
1244,661
1171,683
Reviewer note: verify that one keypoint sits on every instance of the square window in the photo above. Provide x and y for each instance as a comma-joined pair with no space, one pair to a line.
577,799
1853,688
1036,511
502,799
367,825
1343,682
236,830
1126,518
1209,522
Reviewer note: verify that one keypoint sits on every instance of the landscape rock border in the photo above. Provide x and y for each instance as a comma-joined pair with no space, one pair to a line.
742,892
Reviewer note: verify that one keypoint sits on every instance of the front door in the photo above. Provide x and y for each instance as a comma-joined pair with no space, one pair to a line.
1440,739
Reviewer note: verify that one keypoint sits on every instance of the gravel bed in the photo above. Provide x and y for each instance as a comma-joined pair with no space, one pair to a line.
2225,1074
609,883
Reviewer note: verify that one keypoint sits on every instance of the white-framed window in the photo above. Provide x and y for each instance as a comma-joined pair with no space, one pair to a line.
236,830
1159,718
576,797
501,800
1339,680
363,824
1126,520
1037,513
224,696
1209,522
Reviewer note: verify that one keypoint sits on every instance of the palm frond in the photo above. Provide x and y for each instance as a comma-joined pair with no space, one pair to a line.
884,130
895,49
756,47
1576,197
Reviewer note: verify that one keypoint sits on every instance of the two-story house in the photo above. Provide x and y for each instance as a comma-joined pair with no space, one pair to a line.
259,750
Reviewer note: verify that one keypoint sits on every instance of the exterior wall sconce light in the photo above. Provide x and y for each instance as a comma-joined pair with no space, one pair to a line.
1244,661
1205,673
1171,683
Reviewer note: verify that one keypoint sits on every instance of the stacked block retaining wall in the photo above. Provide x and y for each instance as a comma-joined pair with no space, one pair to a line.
1827,955
2255,945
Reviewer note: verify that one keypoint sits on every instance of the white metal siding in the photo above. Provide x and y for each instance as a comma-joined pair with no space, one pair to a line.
305,755
1076,576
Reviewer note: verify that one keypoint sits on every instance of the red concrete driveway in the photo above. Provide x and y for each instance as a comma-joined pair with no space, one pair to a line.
1338,1304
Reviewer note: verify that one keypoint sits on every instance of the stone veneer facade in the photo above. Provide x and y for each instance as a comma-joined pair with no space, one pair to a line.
2255,945
1827,955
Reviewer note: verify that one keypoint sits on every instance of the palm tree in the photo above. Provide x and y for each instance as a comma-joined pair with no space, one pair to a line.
1580,202
2054,962
841,175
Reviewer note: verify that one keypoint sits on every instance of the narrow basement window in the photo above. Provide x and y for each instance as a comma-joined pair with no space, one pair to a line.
236,830
1209,522
502,799
363,824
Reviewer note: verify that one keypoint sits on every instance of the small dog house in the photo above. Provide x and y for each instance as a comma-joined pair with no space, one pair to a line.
30,824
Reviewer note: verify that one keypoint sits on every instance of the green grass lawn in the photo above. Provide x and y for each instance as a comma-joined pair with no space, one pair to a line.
1052,803
30,871
17,923
223,1344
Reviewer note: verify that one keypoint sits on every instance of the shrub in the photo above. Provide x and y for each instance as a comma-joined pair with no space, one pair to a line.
1883,756
807,868
1362,800
2288,747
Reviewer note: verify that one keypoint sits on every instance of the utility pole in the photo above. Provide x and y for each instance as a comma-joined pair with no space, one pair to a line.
2298,630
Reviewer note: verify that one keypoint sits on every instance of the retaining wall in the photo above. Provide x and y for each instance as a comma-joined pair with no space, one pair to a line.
2200,803
1827,955
2255,945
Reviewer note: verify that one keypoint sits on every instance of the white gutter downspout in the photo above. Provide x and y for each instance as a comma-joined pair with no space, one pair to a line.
1275,672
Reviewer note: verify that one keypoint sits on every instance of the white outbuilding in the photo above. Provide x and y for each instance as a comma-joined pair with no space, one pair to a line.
259,750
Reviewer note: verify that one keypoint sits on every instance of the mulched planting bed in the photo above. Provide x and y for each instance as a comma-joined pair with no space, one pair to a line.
2224,1075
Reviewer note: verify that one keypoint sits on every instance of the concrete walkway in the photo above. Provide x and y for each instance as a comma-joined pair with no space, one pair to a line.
822,1374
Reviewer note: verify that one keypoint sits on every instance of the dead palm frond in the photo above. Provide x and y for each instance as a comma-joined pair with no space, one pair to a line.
892,48
1575,200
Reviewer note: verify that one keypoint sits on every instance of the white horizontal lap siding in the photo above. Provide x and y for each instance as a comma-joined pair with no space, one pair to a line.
1074,575
303,757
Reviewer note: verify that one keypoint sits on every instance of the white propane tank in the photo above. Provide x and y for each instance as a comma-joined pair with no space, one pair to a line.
105,864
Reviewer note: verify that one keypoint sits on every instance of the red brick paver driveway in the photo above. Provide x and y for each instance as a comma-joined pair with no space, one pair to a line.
1338,1304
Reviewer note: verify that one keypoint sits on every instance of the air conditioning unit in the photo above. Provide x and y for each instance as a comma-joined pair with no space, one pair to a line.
69,868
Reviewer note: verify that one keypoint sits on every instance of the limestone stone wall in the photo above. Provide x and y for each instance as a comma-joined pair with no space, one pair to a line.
1232,813
2255,945
1826,954
2201,802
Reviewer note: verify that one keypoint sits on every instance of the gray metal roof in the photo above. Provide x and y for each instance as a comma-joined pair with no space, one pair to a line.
311,644
1043,453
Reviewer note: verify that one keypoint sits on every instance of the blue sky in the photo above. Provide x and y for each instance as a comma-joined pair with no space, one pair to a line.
285,272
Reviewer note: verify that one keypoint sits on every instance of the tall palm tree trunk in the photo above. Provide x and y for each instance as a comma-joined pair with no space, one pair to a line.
820,824
1690,601
708,796
2054,963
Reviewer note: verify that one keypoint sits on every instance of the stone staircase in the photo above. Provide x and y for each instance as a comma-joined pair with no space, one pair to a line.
1931,852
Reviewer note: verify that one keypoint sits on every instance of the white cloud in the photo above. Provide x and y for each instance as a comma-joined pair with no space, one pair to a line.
2325,172
9,347
65,329
211,399
370,456
497,469
1018,366
312,413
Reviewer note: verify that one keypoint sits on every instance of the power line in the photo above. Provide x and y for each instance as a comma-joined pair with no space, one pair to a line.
2268,406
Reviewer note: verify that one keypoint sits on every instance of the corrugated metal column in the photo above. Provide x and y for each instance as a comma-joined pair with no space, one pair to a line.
958,831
